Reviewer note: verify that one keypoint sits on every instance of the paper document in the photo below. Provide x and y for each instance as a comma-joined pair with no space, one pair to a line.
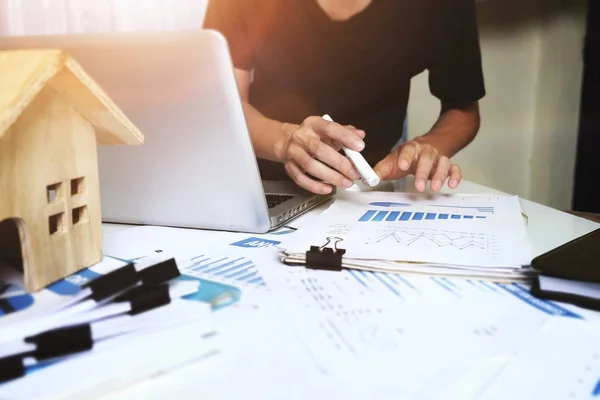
350,319
481,231
561,362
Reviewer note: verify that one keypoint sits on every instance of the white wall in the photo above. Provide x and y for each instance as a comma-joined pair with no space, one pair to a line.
532,57
18,17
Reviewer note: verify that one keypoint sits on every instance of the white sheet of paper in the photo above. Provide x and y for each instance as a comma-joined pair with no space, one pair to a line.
476,230
281,368
350,319
561,362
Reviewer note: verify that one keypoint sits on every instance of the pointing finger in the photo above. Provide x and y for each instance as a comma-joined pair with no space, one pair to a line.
425,165
455,176
406,156
441,173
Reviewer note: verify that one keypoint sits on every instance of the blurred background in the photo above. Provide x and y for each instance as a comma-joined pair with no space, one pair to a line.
540,133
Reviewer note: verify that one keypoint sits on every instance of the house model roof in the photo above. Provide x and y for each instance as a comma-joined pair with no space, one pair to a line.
23,73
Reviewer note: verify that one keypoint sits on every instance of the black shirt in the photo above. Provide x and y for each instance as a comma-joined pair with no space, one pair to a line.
358,70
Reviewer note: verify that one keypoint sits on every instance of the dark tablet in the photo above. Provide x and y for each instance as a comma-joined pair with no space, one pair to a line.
578,259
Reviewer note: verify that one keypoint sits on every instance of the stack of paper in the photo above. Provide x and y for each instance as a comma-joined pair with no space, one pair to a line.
132,308
472,236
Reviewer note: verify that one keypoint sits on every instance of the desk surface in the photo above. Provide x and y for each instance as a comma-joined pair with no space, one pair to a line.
276,373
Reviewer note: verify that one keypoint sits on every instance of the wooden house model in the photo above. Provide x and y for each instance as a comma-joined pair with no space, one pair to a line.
52,116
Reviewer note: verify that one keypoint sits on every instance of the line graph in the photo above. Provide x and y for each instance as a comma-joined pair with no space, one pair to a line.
458,240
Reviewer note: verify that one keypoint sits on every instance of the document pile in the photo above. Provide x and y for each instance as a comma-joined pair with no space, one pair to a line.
471,236
119,321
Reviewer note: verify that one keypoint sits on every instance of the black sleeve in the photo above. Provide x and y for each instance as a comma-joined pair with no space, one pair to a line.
456,75
233,19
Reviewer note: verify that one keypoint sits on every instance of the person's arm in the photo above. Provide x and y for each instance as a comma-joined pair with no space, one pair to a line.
428,156
266,133
310,147
456,78
454,130
307,150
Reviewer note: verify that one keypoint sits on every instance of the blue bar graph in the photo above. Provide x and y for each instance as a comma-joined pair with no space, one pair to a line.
402,216
405,216
368,215
380,216
393,216
237,270
479,209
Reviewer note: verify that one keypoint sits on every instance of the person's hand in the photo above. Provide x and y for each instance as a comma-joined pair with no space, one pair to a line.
424,162
313,148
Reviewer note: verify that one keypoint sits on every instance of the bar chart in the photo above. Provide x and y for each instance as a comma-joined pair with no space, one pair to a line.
232,270
428,213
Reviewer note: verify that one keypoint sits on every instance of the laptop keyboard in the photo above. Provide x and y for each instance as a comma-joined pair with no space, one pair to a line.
274,200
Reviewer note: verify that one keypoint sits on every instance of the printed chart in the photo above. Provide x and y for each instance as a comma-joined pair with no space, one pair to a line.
476,231
457,240
401,212
409,287
231,270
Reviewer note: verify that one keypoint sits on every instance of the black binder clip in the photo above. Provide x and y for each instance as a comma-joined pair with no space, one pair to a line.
325,258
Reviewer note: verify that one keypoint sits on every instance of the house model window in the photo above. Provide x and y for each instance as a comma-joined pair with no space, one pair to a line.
48,107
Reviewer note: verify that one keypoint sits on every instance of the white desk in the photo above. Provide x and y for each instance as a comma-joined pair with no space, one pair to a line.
267,372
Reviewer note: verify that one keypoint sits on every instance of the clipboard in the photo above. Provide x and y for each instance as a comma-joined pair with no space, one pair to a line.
331,257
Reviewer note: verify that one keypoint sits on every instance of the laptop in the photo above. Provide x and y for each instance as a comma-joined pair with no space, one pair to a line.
197,167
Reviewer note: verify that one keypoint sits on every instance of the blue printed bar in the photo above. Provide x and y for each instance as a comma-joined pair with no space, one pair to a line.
455,216
443,216
430,216
380,216
393,216
367,216
468,217
405,216
418,216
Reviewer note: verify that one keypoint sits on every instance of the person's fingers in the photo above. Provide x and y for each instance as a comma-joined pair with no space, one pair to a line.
427,159
317,169
406,156
335,131
332,158
337,146
359,132
455,176
441,173
300,178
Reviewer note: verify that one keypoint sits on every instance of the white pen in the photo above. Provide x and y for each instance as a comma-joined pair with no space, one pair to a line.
367,174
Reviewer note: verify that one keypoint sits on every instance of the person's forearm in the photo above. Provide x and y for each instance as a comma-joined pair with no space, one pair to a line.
267,134
454,129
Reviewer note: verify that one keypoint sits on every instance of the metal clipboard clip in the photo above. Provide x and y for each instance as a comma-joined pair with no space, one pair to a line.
325,258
